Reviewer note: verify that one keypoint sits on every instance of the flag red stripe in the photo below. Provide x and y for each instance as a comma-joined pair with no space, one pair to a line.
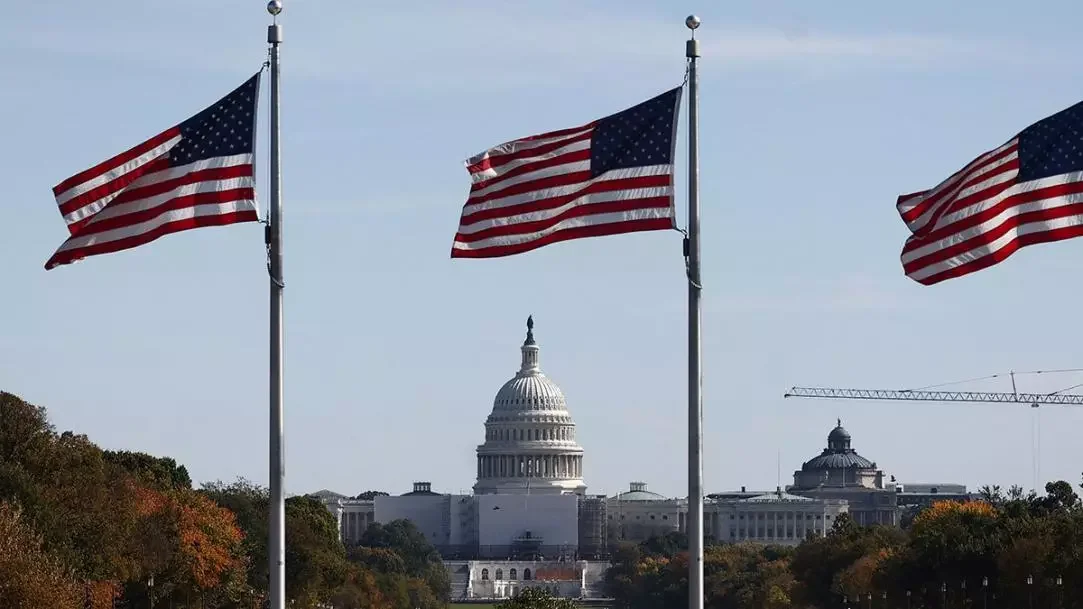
564,179
116,161
1046,236
952,206
537,205
495,161
951,186
578,211
972,220
193,177
579,232
1009,224
72,255
173,204
94,194
574,156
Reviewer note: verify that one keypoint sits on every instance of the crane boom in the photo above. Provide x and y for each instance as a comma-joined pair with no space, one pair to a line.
1067,399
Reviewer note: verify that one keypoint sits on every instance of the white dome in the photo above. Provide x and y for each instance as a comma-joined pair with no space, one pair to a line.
529,395
529,436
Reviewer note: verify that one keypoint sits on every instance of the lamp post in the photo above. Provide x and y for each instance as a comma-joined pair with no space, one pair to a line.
943,595
963,586
1030,591
985,592
1060,593
907,599
869,596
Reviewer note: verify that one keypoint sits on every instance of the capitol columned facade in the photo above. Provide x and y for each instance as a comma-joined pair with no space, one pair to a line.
530,521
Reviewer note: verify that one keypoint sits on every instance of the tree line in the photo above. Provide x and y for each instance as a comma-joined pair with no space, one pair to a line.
86,528
1007,549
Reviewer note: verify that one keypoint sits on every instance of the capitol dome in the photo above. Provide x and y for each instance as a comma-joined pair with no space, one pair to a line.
530,444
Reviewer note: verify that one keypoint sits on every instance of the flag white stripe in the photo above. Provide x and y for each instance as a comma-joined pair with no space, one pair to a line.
545,172
164,175
950,182
577,222
588,199
1005,214
1000,174
559,191
999,243
116,172
166,217
493,172
142,205
521,144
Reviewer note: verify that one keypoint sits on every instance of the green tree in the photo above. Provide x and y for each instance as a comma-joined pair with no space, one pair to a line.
419,557
316,563
535,598
370,495
158,472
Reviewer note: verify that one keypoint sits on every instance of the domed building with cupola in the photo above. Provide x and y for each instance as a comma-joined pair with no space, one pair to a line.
530,521
530,444
838,472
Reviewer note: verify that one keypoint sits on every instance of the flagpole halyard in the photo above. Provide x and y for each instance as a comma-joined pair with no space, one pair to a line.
695,371
276,533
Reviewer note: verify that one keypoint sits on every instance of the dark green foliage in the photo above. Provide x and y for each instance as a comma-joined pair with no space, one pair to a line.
161,473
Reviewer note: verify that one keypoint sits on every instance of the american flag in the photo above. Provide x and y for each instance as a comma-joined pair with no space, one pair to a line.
198,173
610,176
1030,190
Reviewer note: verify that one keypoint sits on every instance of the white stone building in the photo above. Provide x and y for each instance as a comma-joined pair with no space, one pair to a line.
768,517
530,444
529,521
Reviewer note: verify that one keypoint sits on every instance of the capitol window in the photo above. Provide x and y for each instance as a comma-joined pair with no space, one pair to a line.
500,574
484,574
513,574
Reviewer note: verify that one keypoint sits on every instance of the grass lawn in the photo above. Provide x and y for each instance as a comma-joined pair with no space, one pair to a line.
474,605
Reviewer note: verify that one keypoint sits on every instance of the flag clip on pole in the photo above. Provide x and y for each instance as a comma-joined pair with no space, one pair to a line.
276,532
695,372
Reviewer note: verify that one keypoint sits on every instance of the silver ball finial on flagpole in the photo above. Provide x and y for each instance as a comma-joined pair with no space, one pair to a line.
691,21
274,7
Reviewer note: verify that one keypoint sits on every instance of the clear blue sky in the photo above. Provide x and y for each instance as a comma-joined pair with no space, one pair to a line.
814,118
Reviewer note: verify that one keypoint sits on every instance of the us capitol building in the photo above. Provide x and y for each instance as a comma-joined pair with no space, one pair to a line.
531,522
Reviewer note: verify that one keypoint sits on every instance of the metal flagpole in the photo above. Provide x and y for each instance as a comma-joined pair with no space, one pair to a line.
276,533
695,371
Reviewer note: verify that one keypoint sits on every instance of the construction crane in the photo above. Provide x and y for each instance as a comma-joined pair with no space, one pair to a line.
1034,399
923,395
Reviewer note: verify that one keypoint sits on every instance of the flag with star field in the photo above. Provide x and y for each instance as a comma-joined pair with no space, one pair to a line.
195,174
610,176
1027,191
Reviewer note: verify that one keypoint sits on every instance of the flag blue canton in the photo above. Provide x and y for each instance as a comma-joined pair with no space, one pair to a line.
639,136
1052,146
225,128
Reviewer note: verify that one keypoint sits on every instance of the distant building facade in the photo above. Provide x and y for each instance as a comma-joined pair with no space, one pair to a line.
529,521
840,473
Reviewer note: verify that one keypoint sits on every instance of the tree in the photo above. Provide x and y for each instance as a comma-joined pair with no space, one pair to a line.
1060,497
158,472
30,578
370,495
419,557
315,557
536,598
